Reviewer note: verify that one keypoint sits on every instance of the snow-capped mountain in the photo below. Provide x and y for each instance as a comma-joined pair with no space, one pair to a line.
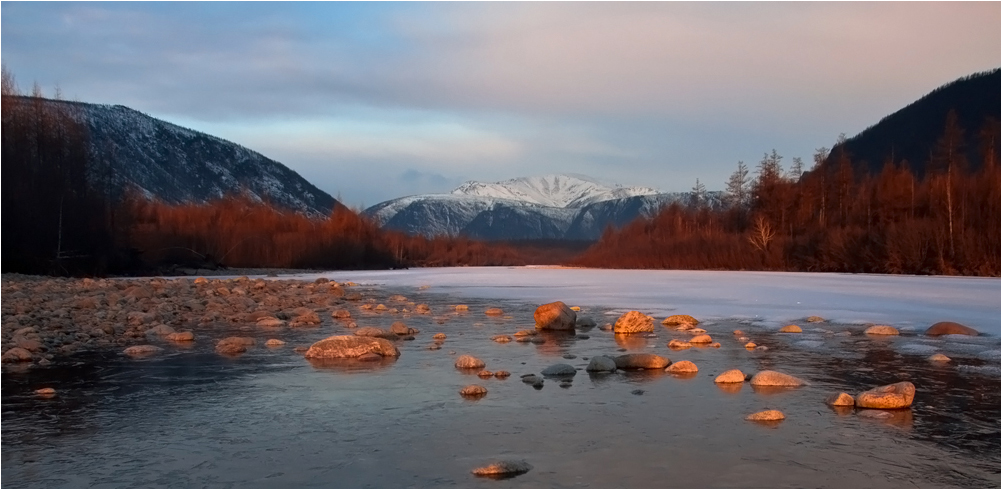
179,165
544,207
558,191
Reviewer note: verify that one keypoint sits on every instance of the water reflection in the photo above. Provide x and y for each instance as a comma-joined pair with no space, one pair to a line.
355,366
631,342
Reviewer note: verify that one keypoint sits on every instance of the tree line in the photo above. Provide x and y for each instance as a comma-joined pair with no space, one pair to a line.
835,217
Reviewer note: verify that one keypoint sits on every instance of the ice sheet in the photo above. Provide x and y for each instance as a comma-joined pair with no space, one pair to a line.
763,298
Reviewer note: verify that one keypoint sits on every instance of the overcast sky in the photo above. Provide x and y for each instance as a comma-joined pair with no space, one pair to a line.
378,100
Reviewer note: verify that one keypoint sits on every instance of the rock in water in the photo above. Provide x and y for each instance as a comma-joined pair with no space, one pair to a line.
501,339
46,392
633,322
840,400
881,330
682,367
641,361
939,358
503,468
350,346
555,316
678,345
701,339
274,343
501,374
766,416
560,370
815,319
485,374
950,328
601,364
141,350
775,378
494,312
469,362
732,376
234,345
374,332
791,329
473,391
679,320
897,395
186,336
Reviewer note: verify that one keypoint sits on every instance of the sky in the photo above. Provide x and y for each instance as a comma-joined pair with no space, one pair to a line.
372,101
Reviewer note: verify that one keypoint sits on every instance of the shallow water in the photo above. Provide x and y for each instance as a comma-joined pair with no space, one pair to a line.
269,418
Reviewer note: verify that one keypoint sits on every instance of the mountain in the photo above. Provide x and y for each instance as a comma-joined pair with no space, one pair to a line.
910,133
178,165
563,207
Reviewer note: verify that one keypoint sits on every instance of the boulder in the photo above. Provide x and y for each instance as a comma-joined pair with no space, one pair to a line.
560,370
897,395
400,328
585,322
766,416
274,343
840,400
494,312
641,361
791,329
633,322
186,336
881,330
750,345
601,364
775,378
682,367
555,316
350,346
950,328
469,362
141,350
341,314
270,322
503,468
374,332
305,318
815,319
679,320
473,391
485,374
701,339
732,376
501,339
160,330
678,345
234,345
501,374
16,354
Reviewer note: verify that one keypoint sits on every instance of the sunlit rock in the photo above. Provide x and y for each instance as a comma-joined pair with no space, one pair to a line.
494,312
701,339
766,416
950,328
791,329
881,330
641,361
682,367
186,336
466,361
676,320
350,346
555,316
634,322
503,468
893,396
141,350
731,376
840,400
775,378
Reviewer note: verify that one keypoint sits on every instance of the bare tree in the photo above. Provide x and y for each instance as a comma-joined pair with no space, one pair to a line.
761,234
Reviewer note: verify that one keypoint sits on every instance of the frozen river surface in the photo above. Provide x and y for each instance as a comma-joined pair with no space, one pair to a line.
268,418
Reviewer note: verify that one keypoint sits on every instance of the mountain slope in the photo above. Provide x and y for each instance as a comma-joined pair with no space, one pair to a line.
911,133
558,191
179,165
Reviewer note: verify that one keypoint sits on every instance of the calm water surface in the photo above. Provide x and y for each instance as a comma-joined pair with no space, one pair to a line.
269,418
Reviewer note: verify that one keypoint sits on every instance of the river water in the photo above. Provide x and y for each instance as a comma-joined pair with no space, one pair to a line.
269,418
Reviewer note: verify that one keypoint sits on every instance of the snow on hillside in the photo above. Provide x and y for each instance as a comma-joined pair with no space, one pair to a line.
559,191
